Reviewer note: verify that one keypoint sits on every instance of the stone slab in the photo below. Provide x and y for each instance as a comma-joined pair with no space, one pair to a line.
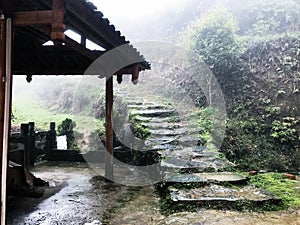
220,193
204,177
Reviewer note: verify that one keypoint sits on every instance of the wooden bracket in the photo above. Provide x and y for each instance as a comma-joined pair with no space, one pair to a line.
58,26
135,74
54,17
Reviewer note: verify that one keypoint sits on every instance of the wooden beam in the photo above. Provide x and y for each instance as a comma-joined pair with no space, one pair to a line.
81,49
31,18
109,172
93,55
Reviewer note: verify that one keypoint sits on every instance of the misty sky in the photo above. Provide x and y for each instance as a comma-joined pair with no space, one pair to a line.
134,16
134,9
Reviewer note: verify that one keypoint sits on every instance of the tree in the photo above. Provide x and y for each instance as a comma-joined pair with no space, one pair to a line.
267,17
213,39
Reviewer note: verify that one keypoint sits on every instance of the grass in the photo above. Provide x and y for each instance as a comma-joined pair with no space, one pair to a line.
28,109
280,186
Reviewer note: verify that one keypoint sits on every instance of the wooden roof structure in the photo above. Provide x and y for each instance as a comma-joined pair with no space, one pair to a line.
25,26
38,21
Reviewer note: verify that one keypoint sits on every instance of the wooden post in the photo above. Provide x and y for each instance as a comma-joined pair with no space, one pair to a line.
5,103
2,104
52,137
31,136
25,135
2,78
109,173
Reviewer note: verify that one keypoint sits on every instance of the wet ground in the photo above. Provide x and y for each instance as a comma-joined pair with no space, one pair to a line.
78,196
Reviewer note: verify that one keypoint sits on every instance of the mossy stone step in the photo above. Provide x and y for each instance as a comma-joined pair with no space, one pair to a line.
154,113
214,192
205,178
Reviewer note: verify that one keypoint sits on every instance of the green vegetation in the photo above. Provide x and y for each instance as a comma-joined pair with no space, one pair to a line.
253,49
280,186
213,39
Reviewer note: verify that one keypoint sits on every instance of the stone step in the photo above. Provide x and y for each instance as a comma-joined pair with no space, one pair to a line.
189,153
134,102
146,107
154,113
168,132
162,141
219,193
184,141
161,125
156,119
189,141
205,178
201,165
166,147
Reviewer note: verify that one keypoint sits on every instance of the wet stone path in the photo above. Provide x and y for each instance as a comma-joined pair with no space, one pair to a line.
192,174
81,197
186,163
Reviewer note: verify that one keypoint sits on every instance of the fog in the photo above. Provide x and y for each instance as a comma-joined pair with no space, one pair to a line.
143,20
164,20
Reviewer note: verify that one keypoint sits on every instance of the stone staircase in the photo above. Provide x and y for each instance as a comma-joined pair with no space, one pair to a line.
193,175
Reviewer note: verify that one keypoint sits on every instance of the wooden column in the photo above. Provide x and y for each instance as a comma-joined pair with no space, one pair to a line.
2,101
5,104
109,173
2,77
25,135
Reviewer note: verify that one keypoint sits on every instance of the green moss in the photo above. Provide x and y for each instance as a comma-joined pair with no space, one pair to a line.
280,186
141,131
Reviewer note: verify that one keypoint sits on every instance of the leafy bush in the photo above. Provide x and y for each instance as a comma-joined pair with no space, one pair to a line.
67,128
213,39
